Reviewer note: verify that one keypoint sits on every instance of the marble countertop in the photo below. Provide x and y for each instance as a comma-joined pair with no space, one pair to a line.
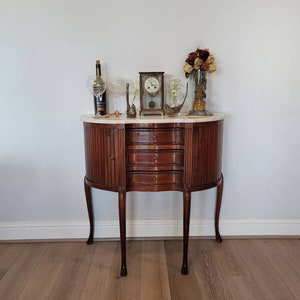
88,118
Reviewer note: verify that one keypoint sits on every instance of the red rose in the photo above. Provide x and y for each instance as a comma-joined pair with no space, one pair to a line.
191,58
204,55
204,66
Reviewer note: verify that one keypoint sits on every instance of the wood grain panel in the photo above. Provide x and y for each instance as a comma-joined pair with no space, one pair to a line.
206,154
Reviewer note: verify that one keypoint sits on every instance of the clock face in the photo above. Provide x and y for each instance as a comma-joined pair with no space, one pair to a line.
152,85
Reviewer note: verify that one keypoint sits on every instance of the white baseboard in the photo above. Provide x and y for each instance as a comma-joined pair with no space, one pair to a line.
147,229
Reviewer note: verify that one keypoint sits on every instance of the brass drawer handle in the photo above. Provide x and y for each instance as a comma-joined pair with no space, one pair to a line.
155,157
155,178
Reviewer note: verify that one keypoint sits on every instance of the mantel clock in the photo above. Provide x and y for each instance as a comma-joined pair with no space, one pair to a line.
151,93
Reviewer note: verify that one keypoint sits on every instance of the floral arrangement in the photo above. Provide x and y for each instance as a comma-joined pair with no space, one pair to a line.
199,60
136,90
197,65
173,90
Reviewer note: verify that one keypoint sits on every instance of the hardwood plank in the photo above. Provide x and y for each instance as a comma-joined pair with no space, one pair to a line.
71,278
229,259
181,286
8,255
103,271
290,249
263,273
41,281
243,287
129,287
3,248
208,270
236,275
285,260
114,286
154,275
19,273
234,269
196,269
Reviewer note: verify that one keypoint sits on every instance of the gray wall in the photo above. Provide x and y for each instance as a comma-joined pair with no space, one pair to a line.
49,48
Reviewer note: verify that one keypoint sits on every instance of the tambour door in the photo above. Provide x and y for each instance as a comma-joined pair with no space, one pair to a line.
206,154
104,153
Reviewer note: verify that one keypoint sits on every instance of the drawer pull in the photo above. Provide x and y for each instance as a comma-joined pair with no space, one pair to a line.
155,178
155,157
112,157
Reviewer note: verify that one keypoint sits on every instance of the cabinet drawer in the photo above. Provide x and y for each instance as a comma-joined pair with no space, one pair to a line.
155,160
157,136
152,181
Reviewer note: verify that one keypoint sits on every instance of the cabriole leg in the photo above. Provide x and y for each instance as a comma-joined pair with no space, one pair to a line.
186,228
89,203
122,224
218,207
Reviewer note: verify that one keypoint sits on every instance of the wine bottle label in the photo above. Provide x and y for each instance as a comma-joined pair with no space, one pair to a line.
100,105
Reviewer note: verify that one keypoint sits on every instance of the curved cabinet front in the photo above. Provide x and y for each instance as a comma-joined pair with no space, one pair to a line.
180,155
104,155
206,155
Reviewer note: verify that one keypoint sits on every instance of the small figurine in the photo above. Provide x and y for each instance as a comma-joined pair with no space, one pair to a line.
131,110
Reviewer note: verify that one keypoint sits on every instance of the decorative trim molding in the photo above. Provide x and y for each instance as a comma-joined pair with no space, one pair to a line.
148,229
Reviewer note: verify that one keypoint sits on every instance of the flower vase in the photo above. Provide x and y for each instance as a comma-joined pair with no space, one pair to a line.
199,103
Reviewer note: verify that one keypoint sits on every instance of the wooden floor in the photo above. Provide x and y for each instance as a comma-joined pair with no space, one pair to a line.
234,269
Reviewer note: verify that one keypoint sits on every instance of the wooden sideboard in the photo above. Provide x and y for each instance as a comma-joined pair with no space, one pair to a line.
151,154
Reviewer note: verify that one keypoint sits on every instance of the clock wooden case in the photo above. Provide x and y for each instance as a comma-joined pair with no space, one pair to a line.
151,93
